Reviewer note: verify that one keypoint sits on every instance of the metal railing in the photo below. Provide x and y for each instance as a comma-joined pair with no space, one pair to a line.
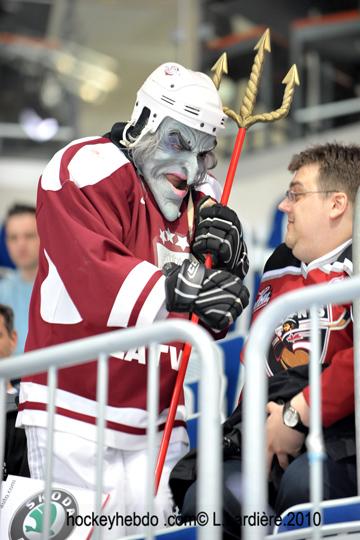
83,350
255,396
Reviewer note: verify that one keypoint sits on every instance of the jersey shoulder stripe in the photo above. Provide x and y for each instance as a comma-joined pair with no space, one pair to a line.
84,161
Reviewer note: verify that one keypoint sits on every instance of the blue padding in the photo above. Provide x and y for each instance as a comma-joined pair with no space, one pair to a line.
194,387
183,534
276,235
300,519
192,429
180,534
232,349
4,255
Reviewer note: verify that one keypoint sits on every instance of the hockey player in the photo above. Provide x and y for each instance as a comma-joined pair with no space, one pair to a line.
112,211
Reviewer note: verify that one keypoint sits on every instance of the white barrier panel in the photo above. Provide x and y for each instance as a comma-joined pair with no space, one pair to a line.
101,347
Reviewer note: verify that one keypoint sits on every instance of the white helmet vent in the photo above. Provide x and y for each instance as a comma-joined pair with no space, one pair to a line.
192,110
168,100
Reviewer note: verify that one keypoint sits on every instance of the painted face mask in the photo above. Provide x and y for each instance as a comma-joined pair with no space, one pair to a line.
173,159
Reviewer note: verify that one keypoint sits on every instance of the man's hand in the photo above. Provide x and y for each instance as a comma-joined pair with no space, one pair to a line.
282,441
218,232
216,296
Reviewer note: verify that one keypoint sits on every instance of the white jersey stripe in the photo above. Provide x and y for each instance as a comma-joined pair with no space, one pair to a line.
50,179
129,293
129,416
113,438
94,162
153,305
56,305
278,273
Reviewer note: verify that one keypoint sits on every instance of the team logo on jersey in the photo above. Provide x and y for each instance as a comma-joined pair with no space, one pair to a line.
291,344
263,298
172,247
28,520
162,352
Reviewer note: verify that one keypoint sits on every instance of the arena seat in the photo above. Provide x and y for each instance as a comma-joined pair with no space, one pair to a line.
344,512
232,368
192,429
175,533
231,383
188,533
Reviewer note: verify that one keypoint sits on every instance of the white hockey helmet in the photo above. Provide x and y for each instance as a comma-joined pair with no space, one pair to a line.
176,92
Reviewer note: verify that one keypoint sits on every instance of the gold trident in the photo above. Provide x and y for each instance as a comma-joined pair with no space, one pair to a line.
245,119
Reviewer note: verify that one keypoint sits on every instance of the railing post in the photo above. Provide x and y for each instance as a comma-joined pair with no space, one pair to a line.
356,326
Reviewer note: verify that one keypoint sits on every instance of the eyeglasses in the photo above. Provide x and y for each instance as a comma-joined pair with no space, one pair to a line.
292,196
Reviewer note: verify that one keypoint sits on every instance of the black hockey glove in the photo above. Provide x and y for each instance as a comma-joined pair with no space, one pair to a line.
216,296
218,231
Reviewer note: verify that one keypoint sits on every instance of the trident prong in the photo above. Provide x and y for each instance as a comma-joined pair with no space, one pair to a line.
290,80
219,68
248,103
245,119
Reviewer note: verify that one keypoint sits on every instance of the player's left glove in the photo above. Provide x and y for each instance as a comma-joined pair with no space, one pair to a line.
216,296
218,232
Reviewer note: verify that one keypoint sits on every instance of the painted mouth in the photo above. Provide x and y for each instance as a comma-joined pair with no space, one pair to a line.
179,183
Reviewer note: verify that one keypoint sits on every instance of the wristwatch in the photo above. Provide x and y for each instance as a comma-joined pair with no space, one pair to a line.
291,419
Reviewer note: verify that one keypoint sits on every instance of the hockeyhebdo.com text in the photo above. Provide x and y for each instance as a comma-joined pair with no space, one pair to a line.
201,519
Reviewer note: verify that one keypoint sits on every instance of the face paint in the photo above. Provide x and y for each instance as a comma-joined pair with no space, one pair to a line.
180,159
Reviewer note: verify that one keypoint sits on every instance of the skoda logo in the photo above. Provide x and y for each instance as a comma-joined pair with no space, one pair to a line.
28,520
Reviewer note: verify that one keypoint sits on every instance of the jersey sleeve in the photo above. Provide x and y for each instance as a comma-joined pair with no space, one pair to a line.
84,215
337,388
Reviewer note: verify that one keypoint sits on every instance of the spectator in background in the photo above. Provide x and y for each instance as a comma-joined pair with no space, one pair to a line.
15,455
22,242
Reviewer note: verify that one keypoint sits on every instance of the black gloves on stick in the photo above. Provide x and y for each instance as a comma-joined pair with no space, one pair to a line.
218,231
216,296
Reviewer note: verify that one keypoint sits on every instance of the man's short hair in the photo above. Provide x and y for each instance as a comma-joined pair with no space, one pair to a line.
19,209
339,166
8,316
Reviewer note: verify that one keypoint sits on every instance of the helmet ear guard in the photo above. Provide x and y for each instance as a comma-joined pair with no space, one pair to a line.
190,97
134,131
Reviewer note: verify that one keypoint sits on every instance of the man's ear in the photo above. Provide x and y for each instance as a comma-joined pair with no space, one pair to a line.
14,340
339,204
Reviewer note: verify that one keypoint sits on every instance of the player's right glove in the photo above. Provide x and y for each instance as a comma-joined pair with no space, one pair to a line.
218,232
216,296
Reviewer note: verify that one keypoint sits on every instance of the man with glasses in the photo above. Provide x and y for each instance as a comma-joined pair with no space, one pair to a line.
319,206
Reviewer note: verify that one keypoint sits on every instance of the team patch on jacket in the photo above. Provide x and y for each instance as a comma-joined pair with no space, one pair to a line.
291,344
263,298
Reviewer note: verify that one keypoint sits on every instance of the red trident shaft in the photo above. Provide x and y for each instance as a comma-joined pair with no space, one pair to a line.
243,120
194,318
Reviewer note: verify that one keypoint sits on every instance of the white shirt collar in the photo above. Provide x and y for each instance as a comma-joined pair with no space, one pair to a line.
328,258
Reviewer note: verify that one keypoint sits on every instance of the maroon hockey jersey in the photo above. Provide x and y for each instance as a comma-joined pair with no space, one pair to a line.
290,346
103,241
